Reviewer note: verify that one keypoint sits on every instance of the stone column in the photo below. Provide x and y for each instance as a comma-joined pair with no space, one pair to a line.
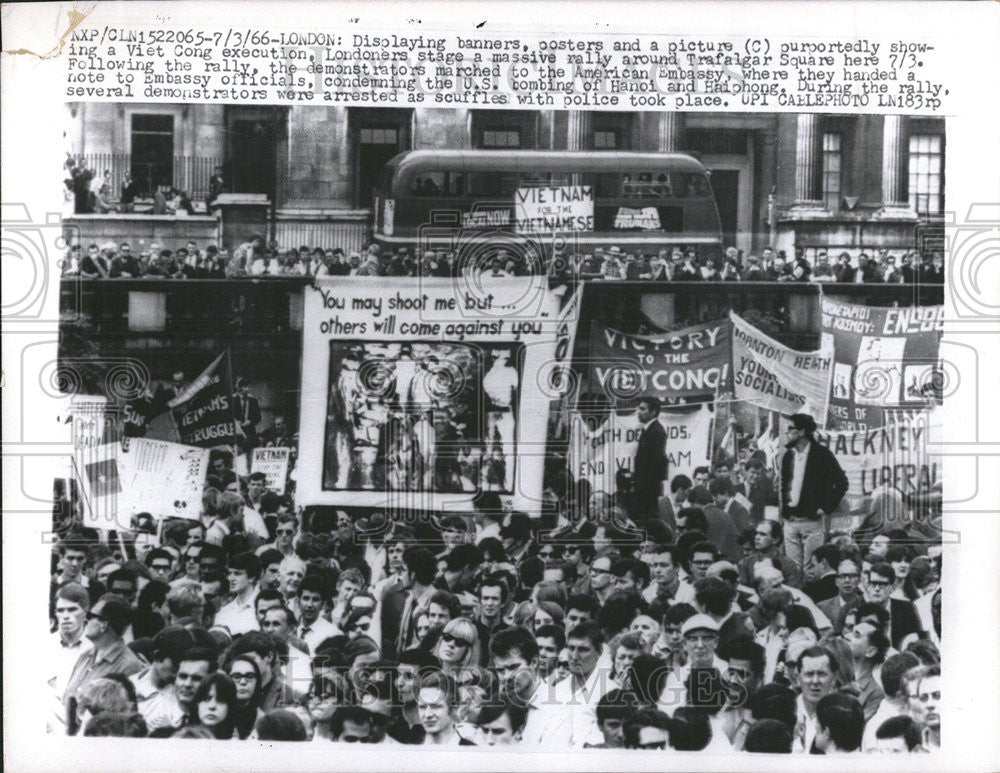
894,200
807,148
670,133
578,130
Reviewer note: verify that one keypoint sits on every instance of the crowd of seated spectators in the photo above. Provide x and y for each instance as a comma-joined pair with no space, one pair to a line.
253,258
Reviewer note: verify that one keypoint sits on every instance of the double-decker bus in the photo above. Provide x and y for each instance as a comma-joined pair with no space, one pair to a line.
555,201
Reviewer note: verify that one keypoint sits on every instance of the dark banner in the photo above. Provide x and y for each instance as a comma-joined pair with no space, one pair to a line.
204,411
691,362
884,358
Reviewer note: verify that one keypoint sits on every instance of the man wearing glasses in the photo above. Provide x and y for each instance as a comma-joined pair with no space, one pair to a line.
848,576
812,485
601,579
904,622
106,622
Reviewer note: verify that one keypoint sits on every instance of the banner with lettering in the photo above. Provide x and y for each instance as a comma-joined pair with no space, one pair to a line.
600,449
417,393
694,361
883,358
273,462
204,411
119,480
770,375
905,454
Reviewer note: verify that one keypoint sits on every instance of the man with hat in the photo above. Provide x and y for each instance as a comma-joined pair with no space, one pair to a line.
812,485
701,638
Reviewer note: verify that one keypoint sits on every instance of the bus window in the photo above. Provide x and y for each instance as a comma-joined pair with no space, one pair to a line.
534,179
429,185
560,178
690,186
481,184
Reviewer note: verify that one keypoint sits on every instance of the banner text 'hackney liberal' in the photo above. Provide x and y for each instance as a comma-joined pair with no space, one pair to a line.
884,358
684,363
770,375
417,393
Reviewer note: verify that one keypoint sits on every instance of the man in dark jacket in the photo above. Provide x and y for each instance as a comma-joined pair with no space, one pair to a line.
812,485
649,468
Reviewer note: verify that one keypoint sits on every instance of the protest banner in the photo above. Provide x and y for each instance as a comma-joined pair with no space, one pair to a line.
770,375
554,209
598,453
414,393
204,411
141,475
904,454
691,362
883,358
273,462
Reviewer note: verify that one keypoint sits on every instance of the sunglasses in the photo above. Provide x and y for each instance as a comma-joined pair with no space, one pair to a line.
879,583
452,639
95,616
562,663
654,745
352,739
238,677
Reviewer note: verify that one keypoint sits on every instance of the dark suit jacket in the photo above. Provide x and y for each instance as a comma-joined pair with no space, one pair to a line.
722,533
650,466
822,589
253,411
760,496
392,617
832,608
904,620
824,484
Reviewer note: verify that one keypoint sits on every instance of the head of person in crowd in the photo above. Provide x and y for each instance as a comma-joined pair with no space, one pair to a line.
624,649
501,723
701,637
279,623
107,620
745,663
124,583
281,725
923,686
881,583
351,724
261,648
551,640
116,724
898,735
690,729
768,736
71,607
102,695
214,705
584,644
613,711
630,574
195,666
673,623
840,724
647,729
437,697
646,679
458,648
292,571
816,674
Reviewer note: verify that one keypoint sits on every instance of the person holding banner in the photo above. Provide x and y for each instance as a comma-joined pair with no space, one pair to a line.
812,485
650,464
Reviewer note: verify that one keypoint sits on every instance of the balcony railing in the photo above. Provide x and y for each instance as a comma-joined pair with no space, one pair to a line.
186,173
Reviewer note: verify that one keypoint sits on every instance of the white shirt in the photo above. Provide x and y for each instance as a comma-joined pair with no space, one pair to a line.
158,706
674,692
253,522
798,475
548,725
238,616
580,705
805,728
313,634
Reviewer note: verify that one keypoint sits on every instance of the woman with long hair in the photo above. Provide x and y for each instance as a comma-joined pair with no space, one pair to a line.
458,649
214,706
246,676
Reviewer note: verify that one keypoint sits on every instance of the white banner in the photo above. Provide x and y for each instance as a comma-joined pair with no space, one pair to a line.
416,393
273,462
151,476
770,375
554,209
599,454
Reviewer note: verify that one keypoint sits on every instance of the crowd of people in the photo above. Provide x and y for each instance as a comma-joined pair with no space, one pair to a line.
255,259
725,616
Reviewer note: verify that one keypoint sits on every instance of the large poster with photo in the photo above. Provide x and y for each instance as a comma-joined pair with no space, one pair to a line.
422,416
418,393
883,358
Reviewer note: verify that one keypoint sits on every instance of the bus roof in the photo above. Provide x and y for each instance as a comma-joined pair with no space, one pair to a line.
422,161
